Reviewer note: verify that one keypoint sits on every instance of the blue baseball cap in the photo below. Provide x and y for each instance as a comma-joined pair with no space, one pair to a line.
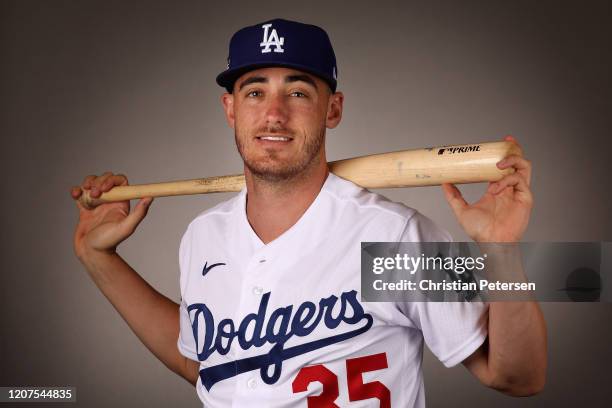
280,43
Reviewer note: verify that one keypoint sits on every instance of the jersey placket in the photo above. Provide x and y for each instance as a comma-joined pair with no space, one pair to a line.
252,288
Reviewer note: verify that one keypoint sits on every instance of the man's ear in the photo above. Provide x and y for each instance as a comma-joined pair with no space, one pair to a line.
227,100
334,110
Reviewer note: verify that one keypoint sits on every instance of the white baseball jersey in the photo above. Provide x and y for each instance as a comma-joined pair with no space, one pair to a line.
282,324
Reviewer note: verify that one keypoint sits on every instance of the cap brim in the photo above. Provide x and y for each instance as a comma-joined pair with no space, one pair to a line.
227,78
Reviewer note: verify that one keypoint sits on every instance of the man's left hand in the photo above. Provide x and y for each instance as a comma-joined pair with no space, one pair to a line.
502,213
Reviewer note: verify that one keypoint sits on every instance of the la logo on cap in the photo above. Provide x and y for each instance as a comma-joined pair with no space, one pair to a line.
271,40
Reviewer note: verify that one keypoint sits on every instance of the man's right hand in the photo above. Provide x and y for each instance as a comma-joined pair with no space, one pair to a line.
152,316
101,229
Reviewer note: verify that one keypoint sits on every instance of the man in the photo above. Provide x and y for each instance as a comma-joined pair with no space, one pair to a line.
270,312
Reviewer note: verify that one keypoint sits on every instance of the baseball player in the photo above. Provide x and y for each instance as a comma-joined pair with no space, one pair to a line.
270,312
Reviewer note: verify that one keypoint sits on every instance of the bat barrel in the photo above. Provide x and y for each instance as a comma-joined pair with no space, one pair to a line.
471,163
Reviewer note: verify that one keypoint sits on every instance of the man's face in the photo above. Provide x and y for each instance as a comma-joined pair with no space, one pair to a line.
279,116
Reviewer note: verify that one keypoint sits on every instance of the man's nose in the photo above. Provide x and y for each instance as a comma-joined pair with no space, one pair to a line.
276,109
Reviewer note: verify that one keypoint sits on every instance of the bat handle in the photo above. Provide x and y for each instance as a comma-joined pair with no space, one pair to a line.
122,193
117,193
221,184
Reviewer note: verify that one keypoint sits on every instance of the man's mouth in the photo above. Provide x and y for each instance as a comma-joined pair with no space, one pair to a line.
275,138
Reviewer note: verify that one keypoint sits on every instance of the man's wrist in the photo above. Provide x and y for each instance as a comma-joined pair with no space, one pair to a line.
96,260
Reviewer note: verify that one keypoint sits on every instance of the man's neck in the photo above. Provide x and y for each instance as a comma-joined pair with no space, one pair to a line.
274,207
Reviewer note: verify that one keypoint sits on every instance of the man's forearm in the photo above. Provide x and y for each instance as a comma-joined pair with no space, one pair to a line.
517,331
517,347
153,317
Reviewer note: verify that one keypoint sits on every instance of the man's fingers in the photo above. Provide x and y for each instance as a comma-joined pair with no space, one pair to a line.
86,184
522,166
518,162
105,182
129,223
112,181
454,197
75,192
515,181
97,182
510,138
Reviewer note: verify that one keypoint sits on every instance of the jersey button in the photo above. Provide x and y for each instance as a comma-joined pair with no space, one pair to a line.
257,290
252,383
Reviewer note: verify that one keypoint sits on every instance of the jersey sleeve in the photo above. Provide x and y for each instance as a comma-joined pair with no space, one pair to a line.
186,343
452,330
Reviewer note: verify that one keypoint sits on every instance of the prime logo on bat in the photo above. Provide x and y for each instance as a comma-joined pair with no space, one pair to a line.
270,312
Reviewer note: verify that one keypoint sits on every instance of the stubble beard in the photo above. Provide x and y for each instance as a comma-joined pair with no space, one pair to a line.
274,170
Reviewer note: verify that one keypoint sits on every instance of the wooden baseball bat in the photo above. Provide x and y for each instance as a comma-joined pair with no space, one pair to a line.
471,163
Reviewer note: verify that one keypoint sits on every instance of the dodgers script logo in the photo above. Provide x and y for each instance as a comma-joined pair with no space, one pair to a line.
282,325
272,39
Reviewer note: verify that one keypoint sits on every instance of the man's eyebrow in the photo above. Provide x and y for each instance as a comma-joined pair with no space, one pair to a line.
253,80
301,77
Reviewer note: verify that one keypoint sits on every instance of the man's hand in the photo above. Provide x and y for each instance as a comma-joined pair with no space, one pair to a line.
107,225
502,213
152,317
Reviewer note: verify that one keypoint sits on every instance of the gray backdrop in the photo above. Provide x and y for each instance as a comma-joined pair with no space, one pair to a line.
89,86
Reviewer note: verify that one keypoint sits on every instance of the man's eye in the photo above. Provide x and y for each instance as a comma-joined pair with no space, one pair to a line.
252,94
298,94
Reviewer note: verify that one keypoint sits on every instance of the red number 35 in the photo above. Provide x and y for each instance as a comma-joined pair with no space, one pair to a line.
357,389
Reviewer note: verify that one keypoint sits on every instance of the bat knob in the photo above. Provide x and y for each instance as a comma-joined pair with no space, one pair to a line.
87,201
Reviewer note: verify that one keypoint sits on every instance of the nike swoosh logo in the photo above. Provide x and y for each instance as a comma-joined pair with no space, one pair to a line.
208,268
